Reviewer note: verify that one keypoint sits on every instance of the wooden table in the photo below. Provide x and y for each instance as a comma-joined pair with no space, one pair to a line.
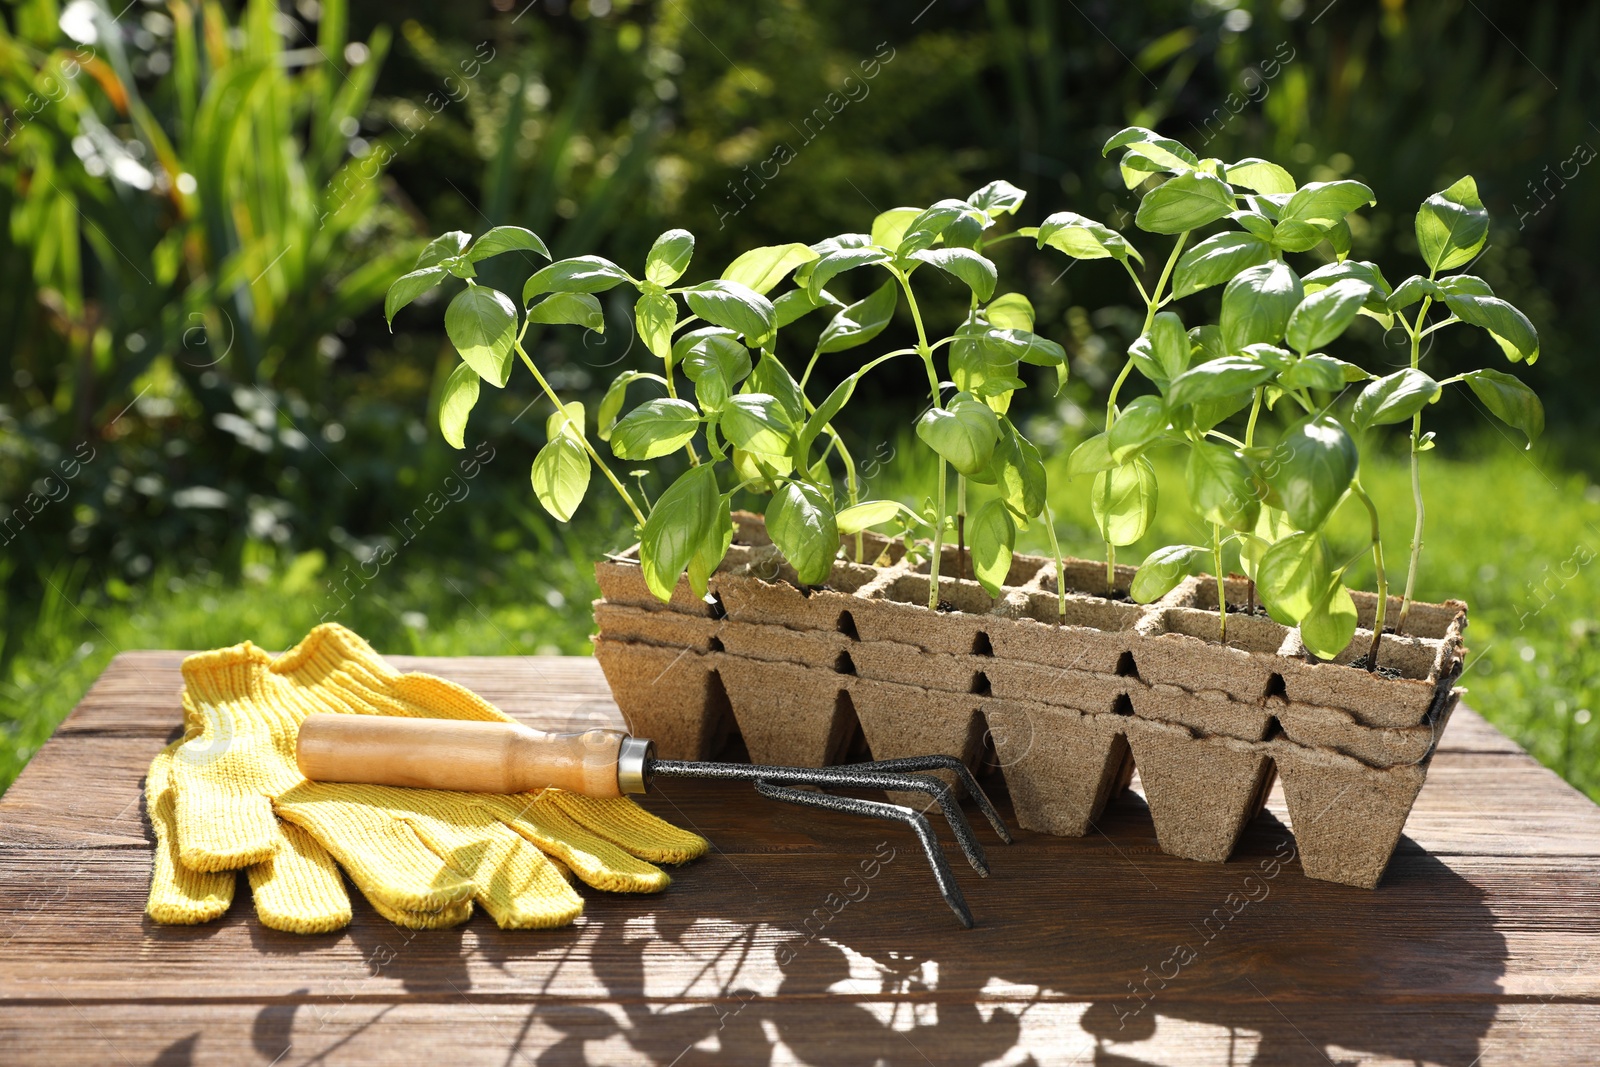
1482,946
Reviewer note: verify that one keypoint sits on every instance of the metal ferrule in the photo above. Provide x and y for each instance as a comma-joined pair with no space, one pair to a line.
632,759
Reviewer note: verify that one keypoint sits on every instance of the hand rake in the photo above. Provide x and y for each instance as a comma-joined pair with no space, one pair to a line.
496,757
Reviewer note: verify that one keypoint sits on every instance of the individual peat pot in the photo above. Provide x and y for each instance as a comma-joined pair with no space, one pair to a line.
1066,701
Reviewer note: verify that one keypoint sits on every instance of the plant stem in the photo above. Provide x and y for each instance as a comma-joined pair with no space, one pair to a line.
1152,301
1061,578
1222,587
961,527
938,539
594,456
672,391
1383,578
853,486
1416,478
926,352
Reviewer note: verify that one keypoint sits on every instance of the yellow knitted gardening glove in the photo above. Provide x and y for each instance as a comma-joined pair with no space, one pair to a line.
234,798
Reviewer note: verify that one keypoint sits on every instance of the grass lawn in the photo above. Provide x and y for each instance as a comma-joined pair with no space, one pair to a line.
1510,534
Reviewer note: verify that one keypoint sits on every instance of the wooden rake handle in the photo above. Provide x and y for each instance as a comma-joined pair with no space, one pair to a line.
474,757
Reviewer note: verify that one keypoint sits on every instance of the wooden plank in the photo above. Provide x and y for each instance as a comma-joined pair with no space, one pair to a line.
1448,817
1482,944
763,1030
1083,918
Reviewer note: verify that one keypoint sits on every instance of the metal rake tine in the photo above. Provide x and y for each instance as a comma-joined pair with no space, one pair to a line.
948,763
849,777
942,874
845,776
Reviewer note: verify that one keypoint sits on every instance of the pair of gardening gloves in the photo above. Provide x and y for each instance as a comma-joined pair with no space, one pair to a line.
229,797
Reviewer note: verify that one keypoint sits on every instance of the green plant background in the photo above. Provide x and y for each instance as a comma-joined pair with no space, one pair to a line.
257,433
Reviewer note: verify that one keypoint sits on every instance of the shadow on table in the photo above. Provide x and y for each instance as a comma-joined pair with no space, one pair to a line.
1080,949
1094,951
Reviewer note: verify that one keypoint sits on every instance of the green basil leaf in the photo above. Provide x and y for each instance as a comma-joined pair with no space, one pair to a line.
573,309
1019,472
690,338
611,403
861,321
761,469
1138,424
655,428
963,263
1257,304
669,257
482,324
1292,576
1510,401
720,352
1028,347
1164,152
832,264
1123,501
561,476
823,415
999,197
1411,290
1081,238
455,404
1325,204
1205,343
1311,469
507,239
1010,311
991,537
1221,488
796,304
1393,398
870,513
1256,224
890,226
1359,270
655,315
1325,314
1339,238
757,422
1217,379
1092,456
1217,260
1184,202
1509,327
978,360
1259,176
682,520
964,433
734,306
1318,371
801,522
773,378
1327,629
761,269
712,548
925,229
445,246
408,287
1163,569
569,418
1465,285
581,274
1163,353
1451,226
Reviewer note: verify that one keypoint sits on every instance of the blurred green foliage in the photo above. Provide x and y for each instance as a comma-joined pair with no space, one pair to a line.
204,202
